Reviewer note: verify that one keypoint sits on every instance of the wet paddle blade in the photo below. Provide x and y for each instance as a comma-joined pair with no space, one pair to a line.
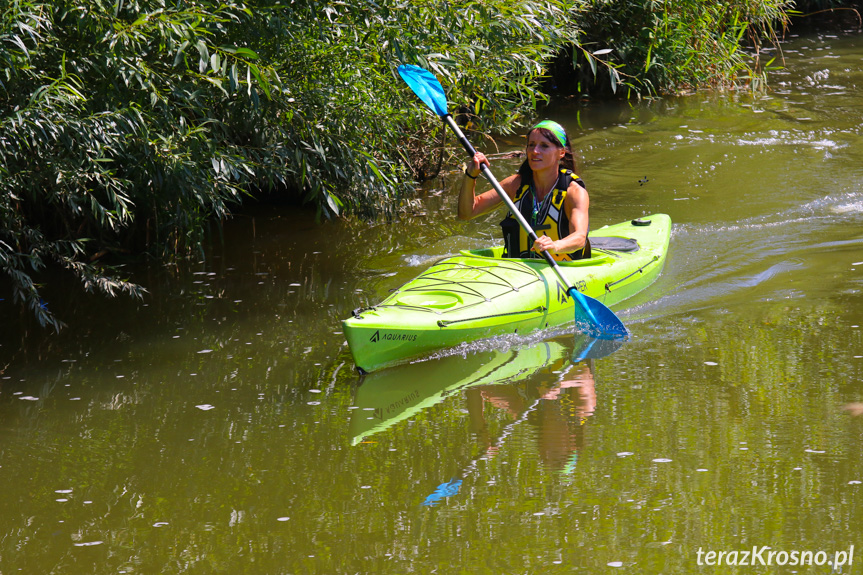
595,319
425,86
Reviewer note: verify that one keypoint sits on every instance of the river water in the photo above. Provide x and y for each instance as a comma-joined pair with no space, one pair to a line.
219,425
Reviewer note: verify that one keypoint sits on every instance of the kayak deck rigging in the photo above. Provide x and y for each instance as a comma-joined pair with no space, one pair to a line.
538,309
439,281
640,270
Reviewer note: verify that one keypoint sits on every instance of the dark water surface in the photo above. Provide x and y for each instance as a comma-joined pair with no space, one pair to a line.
220,427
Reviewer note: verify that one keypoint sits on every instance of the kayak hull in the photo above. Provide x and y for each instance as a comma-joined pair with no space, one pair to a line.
479,294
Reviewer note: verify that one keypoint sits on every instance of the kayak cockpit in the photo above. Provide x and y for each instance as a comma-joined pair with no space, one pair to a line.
496,253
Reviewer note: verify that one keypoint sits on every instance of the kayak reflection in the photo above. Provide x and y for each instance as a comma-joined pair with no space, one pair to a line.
384,398
548,384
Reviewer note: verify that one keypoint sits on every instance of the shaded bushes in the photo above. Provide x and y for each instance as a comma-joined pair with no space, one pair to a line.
656,47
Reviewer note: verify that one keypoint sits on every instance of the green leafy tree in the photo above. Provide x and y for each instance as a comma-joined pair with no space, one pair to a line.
117,132
127,126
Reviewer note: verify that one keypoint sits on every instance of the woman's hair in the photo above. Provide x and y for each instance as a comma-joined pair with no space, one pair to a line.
567,162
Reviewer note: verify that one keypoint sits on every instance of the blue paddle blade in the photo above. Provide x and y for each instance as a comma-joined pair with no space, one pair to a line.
443,490
595,319
425,85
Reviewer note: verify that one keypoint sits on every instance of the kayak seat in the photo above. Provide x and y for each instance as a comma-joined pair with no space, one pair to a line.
613,243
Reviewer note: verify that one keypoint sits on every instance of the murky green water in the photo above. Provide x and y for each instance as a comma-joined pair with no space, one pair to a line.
219,426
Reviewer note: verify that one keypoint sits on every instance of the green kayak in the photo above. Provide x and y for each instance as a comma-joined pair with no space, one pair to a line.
479,294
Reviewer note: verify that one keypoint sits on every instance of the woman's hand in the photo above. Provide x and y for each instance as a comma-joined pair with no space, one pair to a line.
471,204
474,166
545,243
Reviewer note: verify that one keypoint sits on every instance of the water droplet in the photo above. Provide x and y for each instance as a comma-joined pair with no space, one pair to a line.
205,407
661,460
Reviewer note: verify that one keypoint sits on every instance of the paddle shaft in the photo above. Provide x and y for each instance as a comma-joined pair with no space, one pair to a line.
509,204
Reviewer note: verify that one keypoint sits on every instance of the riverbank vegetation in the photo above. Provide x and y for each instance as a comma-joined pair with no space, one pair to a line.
127,126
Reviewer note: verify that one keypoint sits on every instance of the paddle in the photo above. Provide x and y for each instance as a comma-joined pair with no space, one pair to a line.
591,315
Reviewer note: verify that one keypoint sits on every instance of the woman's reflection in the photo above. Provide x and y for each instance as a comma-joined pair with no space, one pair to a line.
556,403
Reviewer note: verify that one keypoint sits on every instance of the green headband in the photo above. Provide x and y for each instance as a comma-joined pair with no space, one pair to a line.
555,129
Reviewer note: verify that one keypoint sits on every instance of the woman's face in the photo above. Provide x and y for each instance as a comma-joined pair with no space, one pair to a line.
542,152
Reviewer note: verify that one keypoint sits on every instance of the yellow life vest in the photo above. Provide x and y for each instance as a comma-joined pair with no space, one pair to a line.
546,218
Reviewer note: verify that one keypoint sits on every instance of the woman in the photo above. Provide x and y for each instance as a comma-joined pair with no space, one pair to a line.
545,190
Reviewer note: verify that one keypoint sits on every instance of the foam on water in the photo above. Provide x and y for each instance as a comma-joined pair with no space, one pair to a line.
500,343
423,260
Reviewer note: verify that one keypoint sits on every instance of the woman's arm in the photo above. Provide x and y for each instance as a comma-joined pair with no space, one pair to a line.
471,205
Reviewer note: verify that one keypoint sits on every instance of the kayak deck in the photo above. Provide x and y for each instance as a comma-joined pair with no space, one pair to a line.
479,294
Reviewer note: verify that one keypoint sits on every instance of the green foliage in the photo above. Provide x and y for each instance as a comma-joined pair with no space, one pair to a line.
337,62
117,131
127,126
661,46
